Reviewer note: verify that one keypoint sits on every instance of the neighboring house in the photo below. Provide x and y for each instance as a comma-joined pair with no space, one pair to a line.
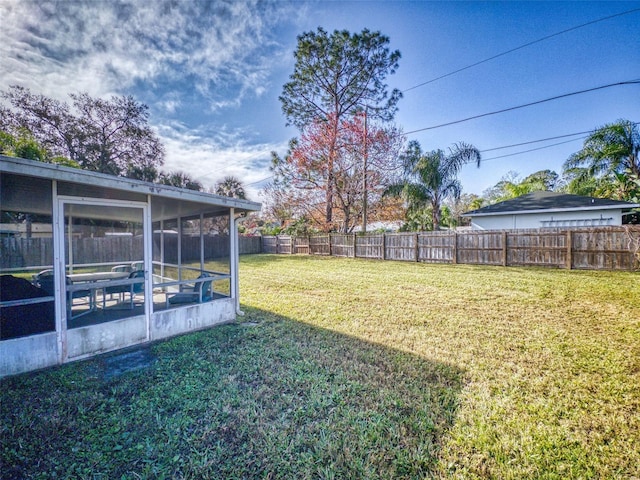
20,230
549,210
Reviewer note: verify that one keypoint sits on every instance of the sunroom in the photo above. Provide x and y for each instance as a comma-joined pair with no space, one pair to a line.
91,263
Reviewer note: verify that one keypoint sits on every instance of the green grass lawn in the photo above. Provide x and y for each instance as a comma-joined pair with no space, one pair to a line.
353,369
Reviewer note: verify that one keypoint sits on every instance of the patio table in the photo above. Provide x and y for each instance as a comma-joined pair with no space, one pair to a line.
96,276
92,281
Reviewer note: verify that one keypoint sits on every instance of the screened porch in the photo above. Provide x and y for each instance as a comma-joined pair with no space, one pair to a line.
91,263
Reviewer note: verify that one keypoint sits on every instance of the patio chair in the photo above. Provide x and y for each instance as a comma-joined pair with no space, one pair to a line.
139,265
199,293
132,289
196,285
126,268
118,268
121,268
71,296
44,281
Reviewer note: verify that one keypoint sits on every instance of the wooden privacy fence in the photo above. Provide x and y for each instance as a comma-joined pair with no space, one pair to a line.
31,252
605,248
214,247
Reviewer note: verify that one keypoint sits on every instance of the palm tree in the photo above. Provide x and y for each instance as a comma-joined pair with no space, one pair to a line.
510,186
611,149
230,187
431,177
179,179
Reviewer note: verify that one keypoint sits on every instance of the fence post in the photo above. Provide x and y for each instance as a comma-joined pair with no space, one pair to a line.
354,245
454,248
384,246
504,249
417,249
569,260
330,249
292,242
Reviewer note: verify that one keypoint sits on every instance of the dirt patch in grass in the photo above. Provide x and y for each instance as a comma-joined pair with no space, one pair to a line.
115,365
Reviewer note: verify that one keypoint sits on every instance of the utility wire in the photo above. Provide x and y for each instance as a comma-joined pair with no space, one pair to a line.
510,146
538,148
544,140
532,149
259,181
506,146
557,97
536,141
520,47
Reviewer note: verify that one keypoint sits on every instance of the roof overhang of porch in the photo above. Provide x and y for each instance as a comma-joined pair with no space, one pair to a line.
166,202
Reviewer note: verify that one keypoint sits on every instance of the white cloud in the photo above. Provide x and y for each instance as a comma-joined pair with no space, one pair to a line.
209,158
224,48
211,54
169,106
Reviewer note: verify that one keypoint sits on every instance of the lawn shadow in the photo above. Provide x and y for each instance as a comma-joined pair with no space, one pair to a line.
267,397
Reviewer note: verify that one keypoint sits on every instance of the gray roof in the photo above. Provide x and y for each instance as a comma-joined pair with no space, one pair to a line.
169,202
549,201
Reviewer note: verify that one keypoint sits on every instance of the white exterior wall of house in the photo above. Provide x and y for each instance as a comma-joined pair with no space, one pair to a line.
548,219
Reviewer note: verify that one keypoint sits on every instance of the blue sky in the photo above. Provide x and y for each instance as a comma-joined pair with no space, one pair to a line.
211,72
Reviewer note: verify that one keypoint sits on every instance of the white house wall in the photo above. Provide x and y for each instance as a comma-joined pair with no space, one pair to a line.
24,354
589,218
168,323
104,337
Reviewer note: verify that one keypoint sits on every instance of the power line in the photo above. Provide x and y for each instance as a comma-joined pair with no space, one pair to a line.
259,181
510,146
557,97
506,146
538,148
532,149
536,141
520,47
544,140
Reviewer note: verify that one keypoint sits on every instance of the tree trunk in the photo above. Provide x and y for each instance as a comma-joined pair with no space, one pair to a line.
435,215
329,198
330,176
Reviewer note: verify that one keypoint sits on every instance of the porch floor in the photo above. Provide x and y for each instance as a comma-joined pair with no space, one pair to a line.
115,310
